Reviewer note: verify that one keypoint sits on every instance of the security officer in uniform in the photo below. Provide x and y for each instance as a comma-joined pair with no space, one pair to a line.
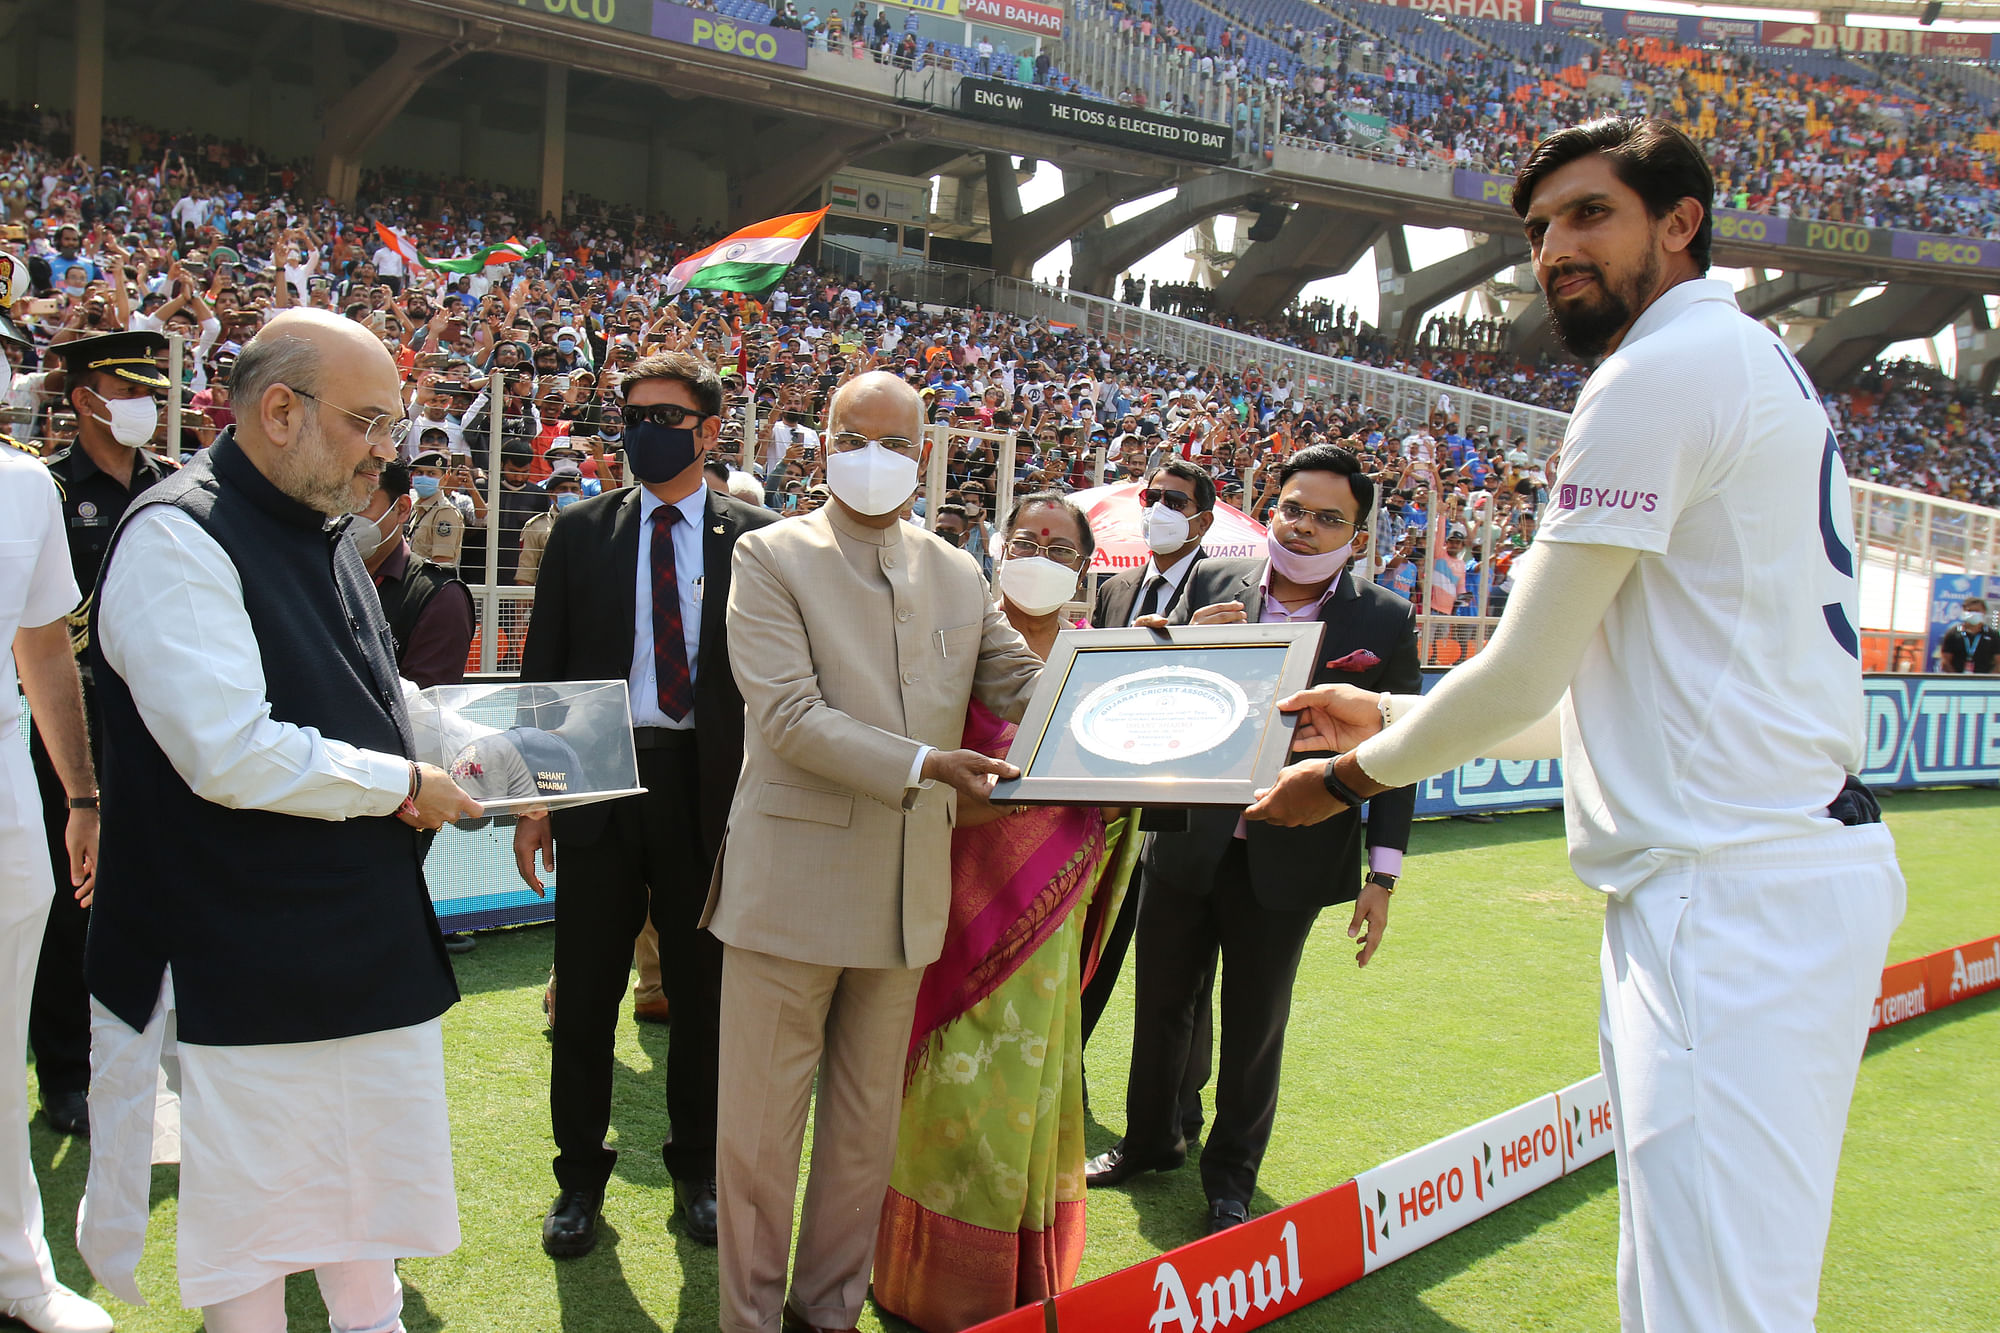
109,382
441,512
565,488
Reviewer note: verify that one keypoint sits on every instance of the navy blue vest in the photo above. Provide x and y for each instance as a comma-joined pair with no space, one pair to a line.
278,928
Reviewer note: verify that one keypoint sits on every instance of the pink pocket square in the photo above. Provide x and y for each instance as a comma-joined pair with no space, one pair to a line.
1358,660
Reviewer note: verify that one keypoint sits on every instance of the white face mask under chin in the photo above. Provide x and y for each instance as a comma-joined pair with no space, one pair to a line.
871,480
1036,585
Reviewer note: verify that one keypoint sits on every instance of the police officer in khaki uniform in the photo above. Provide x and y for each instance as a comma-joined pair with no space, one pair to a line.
447,502
565,488
109,383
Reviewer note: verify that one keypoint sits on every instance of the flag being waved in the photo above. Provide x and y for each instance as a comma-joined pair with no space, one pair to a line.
751,260
511,252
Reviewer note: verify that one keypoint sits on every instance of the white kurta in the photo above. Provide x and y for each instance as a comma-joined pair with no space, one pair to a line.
291,1155
36,589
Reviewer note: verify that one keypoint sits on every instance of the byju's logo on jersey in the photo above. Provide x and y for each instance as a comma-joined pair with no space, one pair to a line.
1572,496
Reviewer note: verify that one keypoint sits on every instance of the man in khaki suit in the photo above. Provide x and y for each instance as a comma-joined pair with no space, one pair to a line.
859,641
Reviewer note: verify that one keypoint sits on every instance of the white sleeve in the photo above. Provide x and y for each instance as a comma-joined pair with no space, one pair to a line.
172,624
52,592
1502,698
1634,453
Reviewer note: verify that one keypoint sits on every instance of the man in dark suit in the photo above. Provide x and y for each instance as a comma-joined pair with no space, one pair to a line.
1254,890
633,585
1178,508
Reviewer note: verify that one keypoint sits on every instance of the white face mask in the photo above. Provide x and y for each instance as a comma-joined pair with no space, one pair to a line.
1036,585
132,421
1163,529
368,535
871,480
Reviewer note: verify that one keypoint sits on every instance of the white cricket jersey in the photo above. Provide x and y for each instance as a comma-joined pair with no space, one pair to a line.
1720,701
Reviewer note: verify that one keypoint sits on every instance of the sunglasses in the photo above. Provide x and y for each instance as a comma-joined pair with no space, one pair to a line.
670,415
1174,500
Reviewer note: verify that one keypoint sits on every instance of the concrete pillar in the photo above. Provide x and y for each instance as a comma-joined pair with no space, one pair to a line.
1317,242
27,43
657,142
1099,254
89,113
1978,349
1406,295
1019,239
789,172
257,103
1857,335
555,136
329,62
1773,296
471,112
350,124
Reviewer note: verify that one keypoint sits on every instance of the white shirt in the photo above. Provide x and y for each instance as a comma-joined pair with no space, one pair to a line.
37,587
643,682
1174,575
388,263
1720,702
172,624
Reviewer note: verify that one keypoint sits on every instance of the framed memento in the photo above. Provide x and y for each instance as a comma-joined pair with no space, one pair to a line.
530,747
1177,717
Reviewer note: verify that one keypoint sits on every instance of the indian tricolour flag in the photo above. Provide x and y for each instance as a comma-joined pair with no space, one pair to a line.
751,260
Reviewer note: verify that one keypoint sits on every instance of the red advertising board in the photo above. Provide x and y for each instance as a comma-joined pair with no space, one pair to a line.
1022,15
1881,41
1512,11
1239,1279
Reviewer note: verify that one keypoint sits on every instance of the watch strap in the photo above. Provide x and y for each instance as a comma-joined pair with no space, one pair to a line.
83,802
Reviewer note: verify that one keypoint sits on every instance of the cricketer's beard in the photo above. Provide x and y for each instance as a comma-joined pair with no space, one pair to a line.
1585,324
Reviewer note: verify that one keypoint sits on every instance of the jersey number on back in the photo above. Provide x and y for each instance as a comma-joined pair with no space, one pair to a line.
1837,553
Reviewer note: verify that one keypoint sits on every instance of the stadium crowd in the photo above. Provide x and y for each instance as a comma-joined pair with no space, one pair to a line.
207,244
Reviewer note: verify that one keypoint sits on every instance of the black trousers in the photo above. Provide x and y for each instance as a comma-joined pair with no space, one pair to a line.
650,850
59,1014
1177,937
1201,1054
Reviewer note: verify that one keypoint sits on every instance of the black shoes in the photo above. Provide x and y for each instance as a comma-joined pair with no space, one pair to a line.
695,1201
1224,1214
1115,1166
69,1112
570,1229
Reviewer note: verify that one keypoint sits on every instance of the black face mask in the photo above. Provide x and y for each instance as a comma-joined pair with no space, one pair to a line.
659,453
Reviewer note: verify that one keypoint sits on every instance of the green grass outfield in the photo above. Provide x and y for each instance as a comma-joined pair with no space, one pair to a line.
1485,994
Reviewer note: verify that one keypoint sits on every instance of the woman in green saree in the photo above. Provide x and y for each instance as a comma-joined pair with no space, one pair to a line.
986,1204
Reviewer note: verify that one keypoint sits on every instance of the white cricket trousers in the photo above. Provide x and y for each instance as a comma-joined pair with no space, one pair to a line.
1737,988
26,887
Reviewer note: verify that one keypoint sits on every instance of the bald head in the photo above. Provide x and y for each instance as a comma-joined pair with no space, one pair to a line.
877,404
316,397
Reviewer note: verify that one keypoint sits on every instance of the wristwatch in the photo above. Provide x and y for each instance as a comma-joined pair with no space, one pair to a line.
1384,878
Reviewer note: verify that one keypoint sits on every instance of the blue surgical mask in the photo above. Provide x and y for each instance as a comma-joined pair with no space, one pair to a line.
425,487
566,499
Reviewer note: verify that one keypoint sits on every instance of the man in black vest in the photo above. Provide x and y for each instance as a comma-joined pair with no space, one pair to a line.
672,538
258,790
1254,890
1970,645
109,383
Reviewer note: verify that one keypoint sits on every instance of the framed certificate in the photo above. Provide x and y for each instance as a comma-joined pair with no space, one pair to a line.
1179,717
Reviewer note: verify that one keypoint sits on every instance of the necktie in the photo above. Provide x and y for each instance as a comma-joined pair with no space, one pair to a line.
670,662
1150,604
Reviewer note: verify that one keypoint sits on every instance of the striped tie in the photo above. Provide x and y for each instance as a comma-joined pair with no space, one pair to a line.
670,662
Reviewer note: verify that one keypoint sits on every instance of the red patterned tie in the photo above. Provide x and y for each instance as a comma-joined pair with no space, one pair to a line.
670,662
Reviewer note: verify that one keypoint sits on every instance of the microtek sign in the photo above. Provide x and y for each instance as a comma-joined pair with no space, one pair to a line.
1077,118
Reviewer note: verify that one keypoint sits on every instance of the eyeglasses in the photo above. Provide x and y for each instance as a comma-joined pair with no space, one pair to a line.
380,429
670,415
848,441
1026,548
1331,520
1174,500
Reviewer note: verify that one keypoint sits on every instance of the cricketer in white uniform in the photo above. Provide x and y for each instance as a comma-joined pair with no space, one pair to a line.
36,594
1689,609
